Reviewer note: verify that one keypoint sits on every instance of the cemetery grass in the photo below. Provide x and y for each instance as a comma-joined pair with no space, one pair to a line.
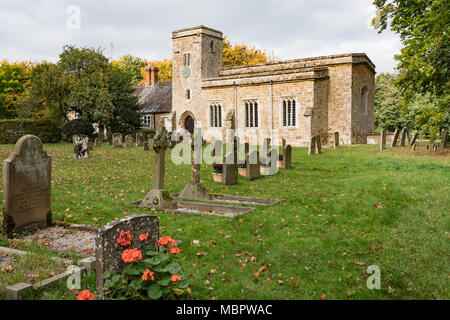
340,212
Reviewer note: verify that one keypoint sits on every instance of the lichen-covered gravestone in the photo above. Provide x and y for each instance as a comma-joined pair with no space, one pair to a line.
128,141
140,139
108,251
27,186
80,146
117,140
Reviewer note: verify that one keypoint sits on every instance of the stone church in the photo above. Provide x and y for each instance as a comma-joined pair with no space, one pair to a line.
297,98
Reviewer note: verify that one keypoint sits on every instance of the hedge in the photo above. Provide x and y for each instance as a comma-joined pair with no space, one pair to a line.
11,130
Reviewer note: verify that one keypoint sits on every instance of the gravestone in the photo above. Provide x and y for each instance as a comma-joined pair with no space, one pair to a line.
27,186
271,167
146,147
444,139
195,190
90,145
287,157
318,144
117,140
150,143
217,149
230,166
312,146
140,139
253,165
80,146
383,139
403,137
108,252
413,147
395,138
336,140
128,141
98,142
413,140
158,197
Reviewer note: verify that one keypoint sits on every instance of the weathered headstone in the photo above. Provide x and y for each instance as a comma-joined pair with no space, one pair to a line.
336,140
90,145
413,147
146,146
383,139
271,166
128,141
217,149
312,146
230,166
395,138
117,140
444,139
403,137
80,146
287,157
435,147
27,186
253,165
158,197
108,251
413,140
140,139
98,142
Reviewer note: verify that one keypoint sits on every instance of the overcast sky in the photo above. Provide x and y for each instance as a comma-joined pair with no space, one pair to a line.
37,30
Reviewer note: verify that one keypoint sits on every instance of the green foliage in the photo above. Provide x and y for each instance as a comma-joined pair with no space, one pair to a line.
424,61
14,80
387,102
131,65
77,126
131,283
47,130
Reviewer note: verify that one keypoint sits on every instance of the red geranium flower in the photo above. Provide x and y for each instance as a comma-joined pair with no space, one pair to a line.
148,273
85,295
124,239
143,237
176,277
131,255
165,241
174,250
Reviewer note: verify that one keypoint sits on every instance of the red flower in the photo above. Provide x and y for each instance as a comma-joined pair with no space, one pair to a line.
131,255
124,239
85,295
143,237
174,250
148,273
165,241
176,277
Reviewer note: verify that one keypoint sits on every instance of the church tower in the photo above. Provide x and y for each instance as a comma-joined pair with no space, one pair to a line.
197,55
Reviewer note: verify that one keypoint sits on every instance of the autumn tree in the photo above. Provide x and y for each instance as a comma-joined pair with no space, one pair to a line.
241,55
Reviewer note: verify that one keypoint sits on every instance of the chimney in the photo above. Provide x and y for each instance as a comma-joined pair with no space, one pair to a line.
151,76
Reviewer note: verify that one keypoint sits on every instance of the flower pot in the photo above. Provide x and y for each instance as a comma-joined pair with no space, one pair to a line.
217,177
242,171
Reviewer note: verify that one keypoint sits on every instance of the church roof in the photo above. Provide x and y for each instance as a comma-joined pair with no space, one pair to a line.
156,98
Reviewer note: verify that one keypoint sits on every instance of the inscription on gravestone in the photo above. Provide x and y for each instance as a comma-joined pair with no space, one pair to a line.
27,186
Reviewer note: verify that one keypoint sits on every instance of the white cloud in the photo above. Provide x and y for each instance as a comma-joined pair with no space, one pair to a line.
36,30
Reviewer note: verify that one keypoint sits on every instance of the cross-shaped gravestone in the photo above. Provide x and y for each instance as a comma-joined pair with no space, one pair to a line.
108,250
80,146
27,186
158,197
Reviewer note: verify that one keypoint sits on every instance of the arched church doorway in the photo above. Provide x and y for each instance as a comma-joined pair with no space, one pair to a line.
189,124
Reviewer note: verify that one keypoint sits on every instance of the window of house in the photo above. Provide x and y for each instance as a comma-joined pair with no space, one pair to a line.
186,59
289,113
188,94
146,120
251,114
215,115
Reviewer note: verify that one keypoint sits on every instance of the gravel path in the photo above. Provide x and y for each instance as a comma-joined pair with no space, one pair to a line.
63,240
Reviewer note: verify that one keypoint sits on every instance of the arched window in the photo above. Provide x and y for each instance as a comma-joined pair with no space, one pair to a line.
215,115
251,114
289,113
211,46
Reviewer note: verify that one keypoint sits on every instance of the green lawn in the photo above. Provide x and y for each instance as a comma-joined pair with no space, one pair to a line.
339,213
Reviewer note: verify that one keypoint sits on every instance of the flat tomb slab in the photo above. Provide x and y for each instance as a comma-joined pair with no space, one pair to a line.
239,199
207,208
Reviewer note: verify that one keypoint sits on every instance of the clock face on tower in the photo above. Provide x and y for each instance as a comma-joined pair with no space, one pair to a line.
186,72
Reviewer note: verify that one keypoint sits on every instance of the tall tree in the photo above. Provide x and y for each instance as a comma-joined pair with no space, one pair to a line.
424,61
241,54
132,65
